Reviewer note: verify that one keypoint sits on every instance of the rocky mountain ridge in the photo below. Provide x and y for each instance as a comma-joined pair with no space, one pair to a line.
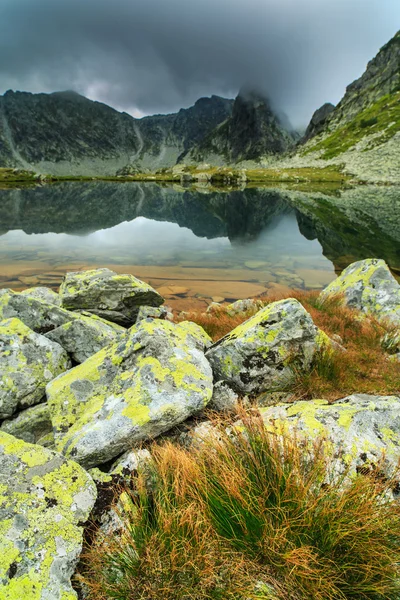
362,133
66,134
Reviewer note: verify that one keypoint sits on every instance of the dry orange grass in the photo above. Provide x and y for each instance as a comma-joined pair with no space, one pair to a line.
249,507
363,368
168,549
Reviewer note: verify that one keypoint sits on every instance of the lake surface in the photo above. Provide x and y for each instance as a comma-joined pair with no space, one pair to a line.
195,246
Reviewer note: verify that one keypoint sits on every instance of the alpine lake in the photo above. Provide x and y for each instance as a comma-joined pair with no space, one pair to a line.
196,245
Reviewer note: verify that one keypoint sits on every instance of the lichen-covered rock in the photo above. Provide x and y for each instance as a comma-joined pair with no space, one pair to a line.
107,294
360,427
44,294
136,389
133,462
28,361
195,335
368,286
30,425
259,355
44,499
154,312
224,399
244,306
36,314
85,336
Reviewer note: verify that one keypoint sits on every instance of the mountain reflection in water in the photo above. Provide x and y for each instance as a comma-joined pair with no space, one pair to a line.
213,244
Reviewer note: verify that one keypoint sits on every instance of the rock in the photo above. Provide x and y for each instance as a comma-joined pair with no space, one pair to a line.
132,462
368,286
360,427
173,290
258,355
131,391
224,399
85,336
195,335
256,264
186,178
37,315
107,294
30,425
214,307
44,294
218,299
244,306
154,312
45,499
29,280
200,434
28,361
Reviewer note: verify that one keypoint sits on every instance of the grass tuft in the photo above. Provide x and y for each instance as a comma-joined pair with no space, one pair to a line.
246,508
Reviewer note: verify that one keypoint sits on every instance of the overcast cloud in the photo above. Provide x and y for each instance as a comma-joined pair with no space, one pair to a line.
147,56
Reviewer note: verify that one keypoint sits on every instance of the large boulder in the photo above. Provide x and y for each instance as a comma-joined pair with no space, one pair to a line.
368,286
259,355
36,314
44,501
107,294
134,390
28,361
44,294
85,336
195,334
359,428
32,425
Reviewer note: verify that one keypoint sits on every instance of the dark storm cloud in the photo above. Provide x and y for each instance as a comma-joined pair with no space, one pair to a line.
158,55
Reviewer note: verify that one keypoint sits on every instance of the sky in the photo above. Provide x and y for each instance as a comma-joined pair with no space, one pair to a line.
156,56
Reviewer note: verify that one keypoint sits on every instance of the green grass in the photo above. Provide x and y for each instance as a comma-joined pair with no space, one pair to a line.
382,118
248,507
218,176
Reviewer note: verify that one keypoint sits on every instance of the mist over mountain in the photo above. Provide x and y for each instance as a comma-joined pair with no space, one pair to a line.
64,133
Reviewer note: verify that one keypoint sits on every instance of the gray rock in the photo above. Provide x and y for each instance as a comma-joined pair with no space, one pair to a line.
131,391
360,427
45,500
200,434
131,462
44,294
107,294
30,425
368,286
36,314
224,399
195,335
28,361
244,306
153,312
85,336
257,356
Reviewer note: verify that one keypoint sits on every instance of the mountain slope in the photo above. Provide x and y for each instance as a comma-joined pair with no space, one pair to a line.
363,131
65,133
253,130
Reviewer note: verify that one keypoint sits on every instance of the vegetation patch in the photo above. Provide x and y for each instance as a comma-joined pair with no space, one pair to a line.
363,368
382,120
248,515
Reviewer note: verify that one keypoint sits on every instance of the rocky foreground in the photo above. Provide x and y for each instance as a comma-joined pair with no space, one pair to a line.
89,374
